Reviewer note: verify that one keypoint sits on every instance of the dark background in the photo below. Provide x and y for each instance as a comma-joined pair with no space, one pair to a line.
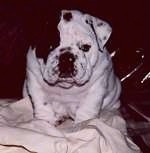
34,22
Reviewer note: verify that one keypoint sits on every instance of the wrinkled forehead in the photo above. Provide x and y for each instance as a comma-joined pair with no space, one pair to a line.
73,23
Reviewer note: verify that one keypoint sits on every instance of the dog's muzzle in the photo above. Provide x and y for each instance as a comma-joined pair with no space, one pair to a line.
66,65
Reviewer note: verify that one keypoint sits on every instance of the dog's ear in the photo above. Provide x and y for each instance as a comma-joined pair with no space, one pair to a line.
101,29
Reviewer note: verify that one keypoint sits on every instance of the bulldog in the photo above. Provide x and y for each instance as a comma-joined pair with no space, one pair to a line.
77,80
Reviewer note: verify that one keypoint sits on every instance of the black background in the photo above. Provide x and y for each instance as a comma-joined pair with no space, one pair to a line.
34,22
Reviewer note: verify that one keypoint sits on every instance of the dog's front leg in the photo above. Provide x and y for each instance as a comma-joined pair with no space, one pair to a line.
41,107
89,109
91,104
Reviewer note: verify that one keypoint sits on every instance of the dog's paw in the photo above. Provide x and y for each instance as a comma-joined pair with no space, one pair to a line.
53,119
50,118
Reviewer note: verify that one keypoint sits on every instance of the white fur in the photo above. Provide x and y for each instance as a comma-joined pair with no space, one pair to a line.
93,88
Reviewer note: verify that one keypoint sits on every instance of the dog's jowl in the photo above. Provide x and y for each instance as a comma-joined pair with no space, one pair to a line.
77,80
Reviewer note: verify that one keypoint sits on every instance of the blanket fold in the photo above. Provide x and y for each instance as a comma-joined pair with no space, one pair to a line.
21,133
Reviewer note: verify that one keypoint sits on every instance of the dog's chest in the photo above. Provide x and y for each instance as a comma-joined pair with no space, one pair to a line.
67,98
65,101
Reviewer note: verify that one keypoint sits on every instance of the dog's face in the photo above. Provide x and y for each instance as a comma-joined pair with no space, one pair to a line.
82,38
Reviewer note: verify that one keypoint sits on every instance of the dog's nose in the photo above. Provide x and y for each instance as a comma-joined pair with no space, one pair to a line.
66,65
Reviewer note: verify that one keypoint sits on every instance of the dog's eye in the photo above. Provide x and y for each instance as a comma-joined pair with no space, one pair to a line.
85,47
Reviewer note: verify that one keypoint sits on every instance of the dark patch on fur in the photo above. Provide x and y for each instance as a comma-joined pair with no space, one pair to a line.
67,16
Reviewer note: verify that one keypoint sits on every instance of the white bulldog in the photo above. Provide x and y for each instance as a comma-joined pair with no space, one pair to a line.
77,80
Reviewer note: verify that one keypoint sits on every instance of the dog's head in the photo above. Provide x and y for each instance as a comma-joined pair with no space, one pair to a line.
82,40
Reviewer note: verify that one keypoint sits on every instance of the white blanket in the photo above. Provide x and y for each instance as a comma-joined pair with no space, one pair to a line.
20,133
